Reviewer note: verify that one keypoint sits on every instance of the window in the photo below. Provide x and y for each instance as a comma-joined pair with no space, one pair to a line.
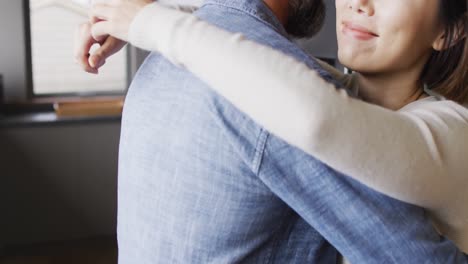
54,72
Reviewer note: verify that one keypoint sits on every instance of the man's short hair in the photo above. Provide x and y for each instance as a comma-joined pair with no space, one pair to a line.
306,17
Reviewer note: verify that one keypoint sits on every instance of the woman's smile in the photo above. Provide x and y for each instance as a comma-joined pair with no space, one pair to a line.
357,31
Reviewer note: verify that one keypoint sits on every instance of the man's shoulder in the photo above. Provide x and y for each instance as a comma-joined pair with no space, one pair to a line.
254,27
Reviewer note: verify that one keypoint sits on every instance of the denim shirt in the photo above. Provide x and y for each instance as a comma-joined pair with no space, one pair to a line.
200,182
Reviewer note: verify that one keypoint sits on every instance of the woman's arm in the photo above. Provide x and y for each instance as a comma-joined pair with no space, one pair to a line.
409,155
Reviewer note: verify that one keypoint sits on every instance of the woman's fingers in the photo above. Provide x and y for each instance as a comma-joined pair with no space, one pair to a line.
101,13
115,17
110,46
101,30
97,31
83,43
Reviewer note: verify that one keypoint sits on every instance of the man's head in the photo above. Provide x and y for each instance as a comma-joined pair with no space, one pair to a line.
305,18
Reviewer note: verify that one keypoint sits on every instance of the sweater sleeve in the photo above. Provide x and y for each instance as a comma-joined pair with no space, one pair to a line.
412,155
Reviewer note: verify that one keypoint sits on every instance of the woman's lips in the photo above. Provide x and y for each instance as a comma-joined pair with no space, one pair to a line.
358,31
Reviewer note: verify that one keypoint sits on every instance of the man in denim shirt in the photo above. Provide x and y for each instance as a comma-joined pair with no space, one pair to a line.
199,182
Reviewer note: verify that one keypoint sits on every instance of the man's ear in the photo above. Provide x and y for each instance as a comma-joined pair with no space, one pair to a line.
457,34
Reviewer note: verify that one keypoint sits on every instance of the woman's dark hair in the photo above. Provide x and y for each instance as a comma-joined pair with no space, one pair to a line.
306,17
446,71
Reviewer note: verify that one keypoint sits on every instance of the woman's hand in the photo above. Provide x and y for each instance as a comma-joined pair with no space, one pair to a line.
115,17
83,43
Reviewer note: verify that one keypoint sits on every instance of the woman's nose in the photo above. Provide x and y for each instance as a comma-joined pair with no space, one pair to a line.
365,7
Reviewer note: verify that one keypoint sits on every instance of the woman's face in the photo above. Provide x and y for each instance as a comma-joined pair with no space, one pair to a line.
377,36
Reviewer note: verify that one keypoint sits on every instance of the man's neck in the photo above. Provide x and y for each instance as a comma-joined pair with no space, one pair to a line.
280,9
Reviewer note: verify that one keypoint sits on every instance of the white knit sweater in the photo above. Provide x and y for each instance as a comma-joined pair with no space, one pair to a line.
418,154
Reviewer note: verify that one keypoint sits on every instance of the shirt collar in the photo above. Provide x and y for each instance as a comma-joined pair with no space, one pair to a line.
255,8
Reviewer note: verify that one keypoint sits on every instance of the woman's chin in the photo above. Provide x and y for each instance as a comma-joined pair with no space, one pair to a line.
357,65
357,60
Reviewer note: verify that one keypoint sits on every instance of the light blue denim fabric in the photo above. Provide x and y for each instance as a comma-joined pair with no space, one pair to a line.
200,182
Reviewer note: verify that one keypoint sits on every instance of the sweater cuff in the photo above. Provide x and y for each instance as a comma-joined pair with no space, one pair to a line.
154,27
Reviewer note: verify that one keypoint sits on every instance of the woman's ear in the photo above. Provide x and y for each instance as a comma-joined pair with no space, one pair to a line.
439,43
452,35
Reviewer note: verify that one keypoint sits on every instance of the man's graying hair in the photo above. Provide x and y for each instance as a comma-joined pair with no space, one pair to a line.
306,17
